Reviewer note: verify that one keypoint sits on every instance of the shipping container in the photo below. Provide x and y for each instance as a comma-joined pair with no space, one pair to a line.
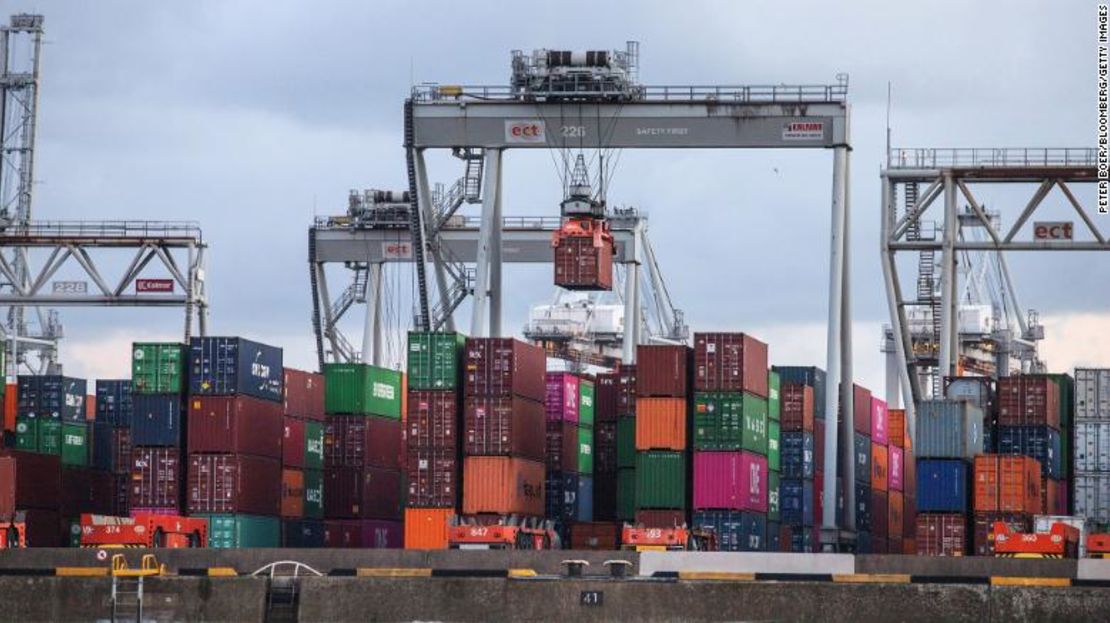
880,470
730,480
1028,400
504,367
861,409
880,424
660,518
503,486
978,390
774,505
605,448
292,493
156,420
797,455
156,476
11,406
660,480
774,446
42,528
359,389
434,360
584,262
303,394
896,423
232,365
941,534
1092,446
237,424
302,533
586,402
862,452
1092,394
774,536
43,435
729,421
606,391
942,486
37,481
51,396
233,483
774,396
661,423
909,517
75,443
235,531
626,494
7,487
1040,442
626,442
982,540
504,426
598,536
806,375
605,496
1050,496
797,499
729,362
948,429
585,450
292,442
1091,497
819,444
432,420
736,531
895,469
797,408
314,445
363,533
662,371
426,528
561,398
432,478
895,518
569,497
562,447
801,539
113,402
362,441
157,367
313,493
362,493
627,388
880,507
863,508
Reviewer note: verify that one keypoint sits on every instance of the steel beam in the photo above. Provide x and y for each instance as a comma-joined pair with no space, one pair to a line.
829,525
495,261
428,219
478,326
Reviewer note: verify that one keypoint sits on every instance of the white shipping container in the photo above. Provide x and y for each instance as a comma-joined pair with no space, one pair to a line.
1092,447
1092,393
1042,524
1092,496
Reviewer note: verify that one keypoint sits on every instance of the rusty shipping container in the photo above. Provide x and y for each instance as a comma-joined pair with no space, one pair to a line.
156,475
983,525
897,425
796,411
433,419
584,263
627,390
504,367
895,517
880,517
362,441
510,426
662,371
233,483
661,424
880,467
236,424
362,493
730,362
861,409
304,394
292,493
1007,483
1028,401
503,486
941,534
433,478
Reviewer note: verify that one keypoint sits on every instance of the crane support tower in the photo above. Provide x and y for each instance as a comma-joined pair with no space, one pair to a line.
910,223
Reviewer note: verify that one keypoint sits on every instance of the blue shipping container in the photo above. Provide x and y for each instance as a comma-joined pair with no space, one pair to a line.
51,396
113,402
101,445
942,486
569,497
796,455
156,420
302,533
863,507
796,501
736,531
862,452
803,540
863,543
990,438
774,534
1039,442
806,375
233,365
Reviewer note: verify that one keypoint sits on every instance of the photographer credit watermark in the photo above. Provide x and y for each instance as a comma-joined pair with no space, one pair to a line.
1103,140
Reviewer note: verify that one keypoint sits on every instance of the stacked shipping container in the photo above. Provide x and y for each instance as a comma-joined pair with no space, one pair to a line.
1034,420
158,385
569,408
302,459
1091,457
947,439
659,432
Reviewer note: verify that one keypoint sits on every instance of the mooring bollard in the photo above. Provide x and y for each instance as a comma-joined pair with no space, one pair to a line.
575,568
618,568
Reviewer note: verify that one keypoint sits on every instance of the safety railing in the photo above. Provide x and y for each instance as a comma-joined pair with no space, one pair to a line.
756,94
991,157
106,229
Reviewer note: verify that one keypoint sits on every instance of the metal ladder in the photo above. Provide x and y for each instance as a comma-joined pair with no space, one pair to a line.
926,283
127,599
283,589
423,320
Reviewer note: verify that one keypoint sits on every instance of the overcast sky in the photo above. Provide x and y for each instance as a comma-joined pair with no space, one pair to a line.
251,117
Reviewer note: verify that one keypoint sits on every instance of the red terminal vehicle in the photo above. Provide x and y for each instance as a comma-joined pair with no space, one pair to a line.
1098,545
13,532
502,533
143,530
1062,541
678,538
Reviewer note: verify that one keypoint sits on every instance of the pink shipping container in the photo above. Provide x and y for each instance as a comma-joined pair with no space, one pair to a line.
561,402
894,469
730,480
880,425
155,477
234,483
236,424
292,442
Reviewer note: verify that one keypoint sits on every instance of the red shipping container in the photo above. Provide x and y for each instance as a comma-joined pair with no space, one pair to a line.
363,533
909,517
433,478
561,401
660,518
662,371
606,392
627,390
234,483
1028,400
983,524
584,262
44,528
372,441
729,362
796,408
880,468
504,427
880,426
861,408
236,424
730,480
595,536
894,469
339,533
304,394
819,444
1049,497
156,474
562,447
941,534
605,450
896,427
292,493
292,442
86,490
503,486
1007,483
1062,499
362,493
880,514
38,480
7,487
11,406
879,545
504,367
433,419
895,518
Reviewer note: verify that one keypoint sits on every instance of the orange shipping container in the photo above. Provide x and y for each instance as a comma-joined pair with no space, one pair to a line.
426,528
502,485
896,427
909,546
895,519
90,408
660,423
1048,499
11,401
1007,483
292,493
879,467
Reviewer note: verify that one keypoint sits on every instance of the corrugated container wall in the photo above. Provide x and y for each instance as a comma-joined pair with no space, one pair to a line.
434,360
51,396
730,480
235,424
1092,446
729,421
504,426
233,483
113,402
432,420
731,362
948,429
505,367
304,394
503,485
660,480
660,424
561,398
359,389
158,367
942,535
806,375
662,371
432,478
1092,394
1028,400
156,420
233,365
942,486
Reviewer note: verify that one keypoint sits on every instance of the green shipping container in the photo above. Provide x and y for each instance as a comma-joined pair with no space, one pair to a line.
626,442
49,436
730,421
434,360
773,438
585,450
773,405
314,493
232,531
1066,384
75,444
313,445
27,434
773,512
661,480
585,403
157,368
626,494
359,389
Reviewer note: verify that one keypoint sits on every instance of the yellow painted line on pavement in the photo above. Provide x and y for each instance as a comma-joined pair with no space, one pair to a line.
86,572
1001,580
222,572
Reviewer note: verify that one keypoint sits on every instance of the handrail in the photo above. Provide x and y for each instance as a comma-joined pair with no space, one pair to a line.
991,157
776,93
106,229
273,566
